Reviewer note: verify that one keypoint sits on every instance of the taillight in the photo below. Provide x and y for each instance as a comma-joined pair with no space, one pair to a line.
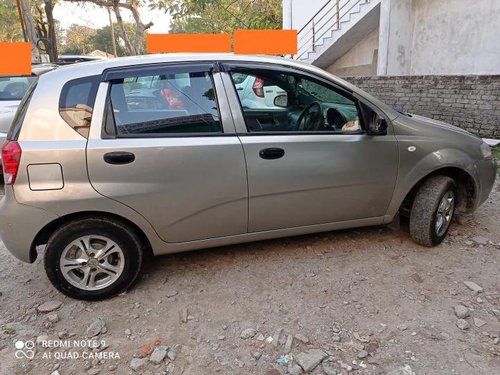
11,157
258,87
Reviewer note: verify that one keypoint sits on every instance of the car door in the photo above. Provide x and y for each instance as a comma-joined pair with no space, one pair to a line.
302,174
169,151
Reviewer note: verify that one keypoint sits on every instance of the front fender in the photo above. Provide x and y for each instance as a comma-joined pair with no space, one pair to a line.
414,167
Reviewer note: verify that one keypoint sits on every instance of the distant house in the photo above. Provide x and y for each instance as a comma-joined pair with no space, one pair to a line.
397,37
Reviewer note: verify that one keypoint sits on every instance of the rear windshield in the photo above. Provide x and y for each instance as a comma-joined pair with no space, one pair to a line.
17,122
77,103
14,88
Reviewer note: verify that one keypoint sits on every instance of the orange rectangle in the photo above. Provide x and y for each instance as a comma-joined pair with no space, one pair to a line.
158,43
15,59
269,42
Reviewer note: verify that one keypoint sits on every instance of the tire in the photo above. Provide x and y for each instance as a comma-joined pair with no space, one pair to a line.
93,258
426,212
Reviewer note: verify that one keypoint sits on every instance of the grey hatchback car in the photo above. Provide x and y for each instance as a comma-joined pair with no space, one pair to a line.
107,162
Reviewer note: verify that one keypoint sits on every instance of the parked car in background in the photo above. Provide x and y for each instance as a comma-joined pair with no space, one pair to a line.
12,90
254,92
73,59
102,170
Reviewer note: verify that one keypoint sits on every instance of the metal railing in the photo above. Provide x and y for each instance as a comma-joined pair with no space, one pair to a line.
326,19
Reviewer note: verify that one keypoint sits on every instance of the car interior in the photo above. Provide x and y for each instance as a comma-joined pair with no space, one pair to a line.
308,106
172,103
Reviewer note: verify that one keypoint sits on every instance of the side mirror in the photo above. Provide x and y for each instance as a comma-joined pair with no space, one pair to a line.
377,125
281,101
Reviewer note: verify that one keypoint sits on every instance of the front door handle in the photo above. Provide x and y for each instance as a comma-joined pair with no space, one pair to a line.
119,157
272,153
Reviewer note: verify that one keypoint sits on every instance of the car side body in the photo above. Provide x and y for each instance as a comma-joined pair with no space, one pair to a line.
194,191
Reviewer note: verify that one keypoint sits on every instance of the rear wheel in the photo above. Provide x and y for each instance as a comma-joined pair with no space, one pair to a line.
93,258
433,210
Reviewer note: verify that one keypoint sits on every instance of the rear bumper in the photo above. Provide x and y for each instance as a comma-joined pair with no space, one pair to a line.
19,225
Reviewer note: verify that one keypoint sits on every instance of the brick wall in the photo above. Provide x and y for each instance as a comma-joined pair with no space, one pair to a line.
470,102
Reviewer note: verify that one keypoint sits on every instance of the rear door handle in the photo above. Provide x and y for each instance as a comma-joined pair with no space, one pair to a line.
119,157
272,153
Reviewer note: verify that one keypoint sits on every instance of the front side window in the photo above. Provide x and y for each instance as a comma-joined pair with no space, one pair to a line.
274,101
169,102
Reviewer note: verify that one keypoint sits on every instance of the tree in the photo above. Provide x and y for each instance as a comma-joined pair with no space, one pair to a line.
134,44
10,26
216,16
78,40
46,27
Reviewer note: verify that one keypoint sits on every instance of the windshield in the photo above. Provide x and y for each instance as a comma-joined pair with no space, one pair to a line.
14,88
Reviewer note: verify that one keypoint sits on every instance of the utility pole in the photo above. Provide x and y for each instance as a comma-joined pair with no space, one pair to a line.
112,32
28,25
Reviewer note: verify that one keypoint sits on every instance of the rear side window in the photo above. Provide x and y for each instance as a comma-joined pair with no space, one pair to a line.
77,103
179,101
17,122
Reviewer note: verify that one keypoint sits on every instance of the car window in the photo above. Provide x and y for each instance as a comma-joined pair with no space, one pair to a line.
274,101
14,88
165,103
77,103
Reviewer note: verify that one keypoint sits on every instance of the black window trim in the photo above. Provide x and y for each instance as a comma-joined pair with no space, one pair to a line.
253,66
108,128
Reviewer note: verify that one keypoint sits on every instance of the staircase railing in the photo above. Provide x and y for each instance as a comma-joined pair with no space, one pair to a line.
326,19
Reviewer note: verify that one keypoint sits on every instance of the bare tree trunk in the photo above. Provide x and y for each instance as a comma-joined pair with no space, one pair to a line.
29,28
119,21
52,48
112,29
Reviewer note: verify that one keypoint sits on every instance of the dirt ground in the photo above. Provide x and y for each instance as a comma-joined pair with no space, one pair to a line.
364,301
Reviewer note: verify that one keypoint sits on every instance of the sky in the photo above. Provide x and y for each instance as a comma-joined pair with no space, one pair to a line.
95,17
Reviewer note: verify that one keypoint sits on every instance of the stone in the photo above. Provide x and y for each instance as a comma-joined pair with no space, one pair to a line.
256,355
53,318
478,322
336,338
93,371
128,332
173,352
310,359
248,333
330,368
49,306
159,354
171,293
402,327
462,324
137,363
480,240
303,339
473,286
404,370
294,369
362,354
288,344
96,327
461,311
276,337
260,337
55,373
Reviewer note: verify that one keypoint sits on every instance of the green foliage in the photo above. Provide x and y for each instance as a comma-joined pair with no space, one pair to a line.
10,26
221,16
80,40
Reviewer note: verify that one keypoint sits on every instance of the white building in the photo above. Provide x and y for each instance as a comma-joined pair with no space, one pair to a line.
397,37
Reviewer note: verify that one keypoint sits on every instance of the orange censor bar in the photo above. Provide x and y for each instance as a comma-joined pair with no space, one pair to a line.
15,59
268,42
160,43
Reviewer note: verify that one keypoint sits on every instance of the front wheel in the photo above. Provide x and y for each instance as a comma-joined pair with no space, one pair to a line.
93,258
432,210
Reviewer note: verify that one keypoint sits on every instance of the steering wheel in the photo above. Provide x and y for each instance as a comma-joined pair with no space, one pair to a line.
311,118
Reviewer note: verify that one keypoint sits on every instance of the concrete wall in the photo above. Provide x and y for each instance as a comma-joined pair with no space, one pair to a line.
439,37
470,102
296,13
361,60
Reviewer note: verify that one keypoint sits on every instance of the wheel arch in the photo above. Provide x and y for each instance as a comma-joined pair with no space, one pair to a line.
44,234
466,187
